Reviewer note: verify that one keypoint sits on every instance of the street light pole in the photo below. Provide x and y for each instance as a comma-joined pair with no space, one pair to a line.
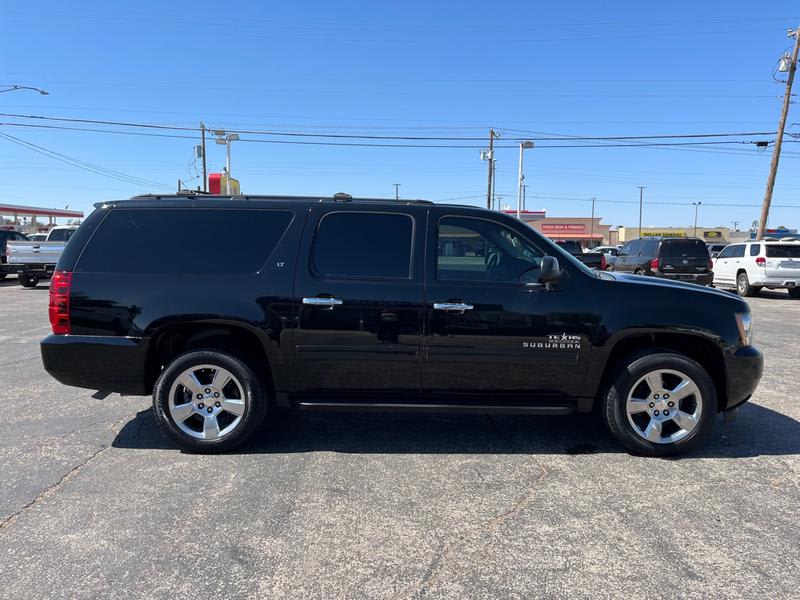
223,138
13,88
396,191
522,147
696,206
591,235
641,196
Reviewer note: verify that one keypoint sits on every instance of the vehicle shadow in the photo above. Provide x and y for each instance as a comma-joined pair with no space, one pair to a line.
758,431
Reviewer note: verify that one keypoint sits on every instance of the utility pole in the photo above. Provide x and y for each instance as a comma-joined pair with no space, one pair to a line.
205,176
524,194
490,185
641,196
591,235
396,191
776,151
735,225
696,206
522,147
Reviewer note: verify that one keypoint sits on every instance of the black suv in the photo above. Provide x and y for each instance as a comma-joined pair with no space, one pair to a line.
683,259
228,308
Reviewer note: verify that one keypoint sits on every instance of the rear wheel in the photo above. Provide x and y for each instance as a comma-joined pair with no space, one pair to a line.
28,281
794,292
743,286
209,401
661,404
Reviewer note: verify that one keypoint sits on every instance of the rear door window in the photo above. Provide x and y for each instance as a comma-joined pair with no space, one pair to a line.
363,245
783,251
635,247
184,241
737,251
649,248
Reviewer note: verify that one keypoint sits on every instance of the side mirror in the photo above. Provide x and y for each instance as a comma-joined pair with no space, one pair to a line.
550,272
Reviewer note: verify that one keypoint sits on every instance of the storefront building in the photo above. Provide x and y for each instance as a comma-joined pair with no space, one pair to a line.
720,235
586,231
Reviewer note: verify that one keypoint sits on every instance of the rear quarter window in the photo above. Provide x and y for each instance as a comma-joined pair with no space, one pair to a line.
184,241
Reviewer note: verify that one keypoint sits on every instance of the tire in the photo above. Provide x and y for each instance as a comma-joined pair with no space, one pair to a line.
183,414
794,292
28,281
3,276
645,432
638,272
743,287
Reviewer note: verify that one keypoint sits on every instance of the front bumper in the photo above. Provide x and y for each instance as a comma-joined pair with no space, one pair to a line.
698,278
744,368
109,364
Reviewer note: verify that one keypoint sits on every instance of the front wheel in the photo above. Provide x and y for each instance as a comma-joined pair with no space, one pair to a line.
661,404
209,401
28,281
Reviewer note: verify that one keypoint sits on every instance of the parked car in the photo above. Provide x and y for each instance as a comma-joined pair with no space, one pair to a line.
683,259
715,249
593,261
328,304
6,236
34,261
37,237
610,252
751,266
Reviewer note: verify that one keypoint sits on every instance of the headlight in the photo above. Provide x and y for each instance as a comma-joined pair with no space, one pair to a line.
745,324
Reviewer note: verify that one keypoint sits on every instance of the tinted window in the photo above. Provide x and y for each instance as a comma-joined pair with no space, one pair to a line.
477,250
635,247
184,240
684,249
649,248
755,249
356,244
783,251
737,251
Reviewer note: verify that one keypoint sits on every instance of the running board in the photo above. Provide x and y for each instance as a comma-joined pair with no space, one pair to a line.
436,408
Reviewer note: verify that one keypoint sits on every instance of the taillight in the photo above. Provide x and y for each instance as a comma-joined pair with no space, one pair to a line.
761,261
710,264
602,262
59,302
654,264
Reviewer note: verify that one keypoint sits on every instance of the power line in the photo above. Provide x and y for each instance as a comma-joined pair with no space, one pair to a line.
118,175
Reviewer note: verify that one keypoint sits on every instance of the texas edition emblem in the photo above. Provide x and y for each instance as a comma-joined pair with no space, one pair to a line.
556,341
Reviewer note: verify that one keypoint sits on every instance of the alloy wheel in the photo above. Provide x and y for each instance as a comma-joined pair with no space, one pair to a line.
207,402
664,406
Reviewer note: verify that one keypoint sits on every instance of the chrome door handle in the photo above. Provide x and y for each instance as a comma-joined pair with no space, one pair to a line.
452,306
316,301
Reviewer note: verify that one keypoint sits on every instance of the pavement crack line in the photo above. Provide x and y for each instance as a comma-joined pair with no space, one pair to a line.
447,549
53,488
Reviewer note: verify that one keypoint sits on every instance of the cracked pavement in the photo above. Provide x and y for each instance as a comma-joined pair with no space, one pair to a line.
97,503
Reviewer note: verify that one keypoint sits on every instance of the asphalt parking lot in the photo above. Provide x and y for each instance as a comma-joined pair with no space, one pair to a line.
96,502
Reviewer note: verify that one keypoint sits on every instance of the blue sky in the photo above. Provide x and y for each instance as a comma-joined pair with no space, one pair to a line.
529,69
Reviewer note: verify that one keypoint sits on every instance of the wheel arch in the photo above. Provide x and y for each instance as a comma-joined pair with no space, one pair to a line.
703,349
239,339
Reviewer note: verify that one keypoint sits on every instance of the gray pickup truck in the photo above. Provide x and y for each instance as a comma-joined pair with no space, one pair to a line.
34,261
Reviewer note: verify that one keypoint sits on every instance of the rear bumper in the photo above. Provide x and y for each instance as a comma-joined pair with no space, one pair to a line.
109,364
744,368
698,278
776,282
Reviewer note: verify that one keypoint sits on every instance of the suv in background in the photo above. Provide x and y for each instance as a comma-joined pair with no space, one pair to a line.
345,304
751,266
593,261
682,259
715,249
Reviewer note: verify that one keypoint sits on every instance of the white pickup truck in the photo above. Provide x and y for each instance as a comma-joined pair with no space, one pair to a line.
751,266
34,261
